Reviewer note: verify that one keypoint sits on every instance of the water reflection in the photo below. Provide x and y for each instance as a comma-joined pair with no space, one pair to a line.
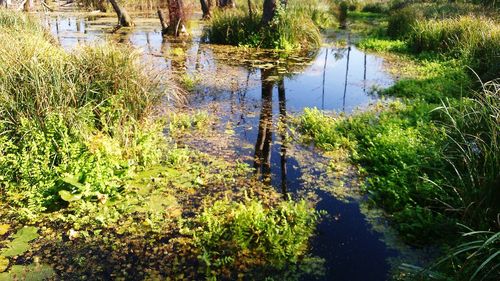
264,143
262,162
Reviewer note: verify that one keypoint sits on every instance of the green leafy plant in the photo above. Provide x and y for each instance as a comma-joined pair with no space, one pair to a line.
249,234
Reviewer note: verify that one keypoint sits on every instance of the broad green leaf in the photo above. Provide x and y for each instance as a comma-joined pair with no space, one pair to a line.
72,180
15,248
68,196
29,272
26,234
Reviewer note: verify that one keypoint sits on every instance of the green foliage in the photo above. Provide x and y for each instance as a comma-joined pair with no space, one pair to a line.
476,258
376,7
382,45
75,122
398,148
472,127
250,234
435,80
182,123
401,22
421,161
478,255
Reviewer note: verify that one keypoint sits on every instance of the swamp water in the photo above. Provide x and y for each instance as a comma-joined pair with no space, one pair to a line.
253,93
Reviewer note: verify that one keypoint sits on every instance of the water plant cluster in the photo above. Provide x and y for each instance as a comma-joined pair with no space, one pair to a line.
431,157
92,187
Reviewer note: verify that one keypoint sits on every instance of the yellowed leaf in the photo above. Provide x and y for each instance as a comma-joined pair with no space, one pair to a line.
4,228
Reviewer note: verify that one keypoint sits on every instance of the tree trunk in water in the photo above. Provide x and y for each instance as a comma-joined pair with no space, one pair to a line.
205,7
176,17
163,22
123,17
269,11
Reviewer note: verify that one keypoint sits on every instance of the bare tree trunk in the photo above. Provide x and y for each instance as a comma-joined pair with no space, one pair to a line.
163,22
269,11
123,17
262,156
5,3
176,17
205,8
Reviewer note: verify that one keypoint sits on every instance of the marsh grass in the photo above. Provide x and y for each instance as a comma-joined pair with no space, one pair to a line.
473,153
476,40
294,27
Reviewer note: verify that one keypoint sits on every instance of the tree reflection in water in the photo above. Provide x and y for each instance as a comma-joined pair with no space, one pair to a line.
263,145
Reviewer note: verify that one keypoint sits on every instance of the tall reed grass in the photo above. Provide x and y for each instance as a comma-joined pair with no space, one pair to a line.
473,130
474,39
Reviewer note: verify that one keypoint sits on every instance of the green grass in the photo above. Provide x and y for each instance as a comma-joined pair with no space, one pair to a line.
475,40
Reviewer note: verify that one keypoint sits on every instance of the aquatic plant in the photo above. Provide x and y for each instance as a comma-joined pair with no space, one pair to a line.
250,234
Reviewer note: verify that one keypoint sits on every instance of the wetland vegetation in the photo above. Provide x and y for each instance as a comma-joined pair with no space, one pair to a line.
143,149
